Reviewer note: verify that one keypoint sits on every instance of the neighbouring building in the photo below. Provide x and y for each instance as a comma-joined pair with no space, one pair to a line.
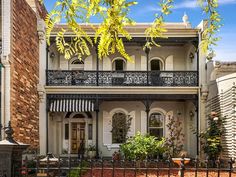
80,101
21,34
222,99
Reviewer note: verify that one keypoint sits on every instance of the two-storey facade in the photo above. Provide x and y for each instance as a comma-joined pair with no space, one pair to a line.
82,100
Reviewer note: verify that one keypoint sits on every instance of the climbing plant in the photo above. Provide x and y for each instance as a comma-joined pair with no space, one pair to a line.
110,33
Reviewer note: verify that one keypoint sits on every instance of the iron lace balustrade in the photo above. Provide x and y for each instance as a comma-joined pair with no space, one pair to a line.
122,78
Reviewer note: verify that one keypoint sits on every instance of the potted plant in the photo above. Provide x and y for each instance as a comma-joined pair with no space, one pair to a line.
91,151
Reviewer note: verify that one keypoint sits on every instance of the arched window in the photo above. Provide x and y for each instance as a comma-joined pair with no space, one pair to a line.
77,64
156,64
119,128
118,65
156,124
79,116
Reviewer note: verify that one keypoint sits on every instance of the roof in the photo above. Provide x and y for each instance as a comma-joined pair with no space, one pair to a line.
138,30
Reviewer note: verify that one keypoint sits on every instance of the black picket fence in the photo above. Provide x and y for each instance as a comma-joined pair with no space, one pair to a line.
105,167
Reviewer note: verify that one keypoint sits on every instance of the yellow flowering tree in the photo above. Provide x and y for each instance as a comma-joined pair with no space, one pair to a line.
111,32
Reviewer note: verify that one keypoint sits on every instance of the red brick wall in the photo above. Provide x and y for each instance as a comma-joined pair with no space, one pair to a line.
24,74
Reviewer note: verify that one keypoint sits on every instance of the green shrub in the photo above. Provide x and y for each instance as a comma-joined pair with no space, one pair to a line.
79,171
211,137
142,146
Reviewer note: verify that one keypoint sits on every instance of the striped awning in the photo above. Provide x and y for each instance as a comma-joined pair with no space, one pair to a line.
71,105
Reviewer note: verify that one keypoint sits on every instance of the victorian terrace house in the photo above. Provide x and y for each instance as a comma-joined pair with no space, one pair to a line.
82,100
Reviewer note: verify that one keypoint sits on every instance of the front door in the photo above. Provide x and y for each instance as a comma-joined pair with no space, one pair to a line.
77,137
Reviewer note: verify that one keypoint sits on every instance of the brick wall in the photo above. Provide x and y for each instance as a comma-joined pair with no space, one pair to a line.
24,74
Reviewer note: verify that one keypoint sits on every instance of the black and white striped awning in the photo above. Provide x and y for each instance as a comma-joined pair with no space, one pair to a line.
71,105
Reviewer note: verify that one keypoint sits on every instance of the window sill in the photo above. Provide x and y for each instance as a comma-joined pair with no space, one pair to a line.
112,146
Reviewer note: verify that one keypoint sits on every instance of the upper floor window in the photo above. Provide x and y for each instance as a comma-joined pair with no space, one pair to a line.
156,65
156,124
77,64
118,65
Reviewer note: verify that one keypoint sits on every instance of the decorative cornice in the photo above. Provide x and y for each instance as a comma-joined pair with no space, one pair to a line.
5,61
41,29
204,92
41,92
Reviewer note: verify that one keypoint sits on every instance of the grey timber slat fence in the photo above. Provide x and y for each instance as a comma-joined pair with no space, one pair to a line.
224,104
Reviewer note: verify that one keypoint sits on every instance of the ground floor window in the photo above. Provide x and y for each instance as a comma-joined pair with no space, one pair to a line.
90,131
118,128
156,125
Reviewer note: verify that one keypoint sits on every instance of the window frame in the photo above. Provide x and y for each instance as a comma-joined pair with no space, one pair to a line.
161,63
80,66
157,128
120,112
114,64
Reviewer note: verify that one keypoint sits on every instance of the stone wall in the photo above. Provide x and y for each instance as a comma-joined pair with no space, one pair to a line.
24,74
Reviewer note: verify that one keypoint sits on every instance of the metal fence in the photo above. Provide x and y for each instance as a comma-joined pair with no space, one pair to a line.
73,167
121,78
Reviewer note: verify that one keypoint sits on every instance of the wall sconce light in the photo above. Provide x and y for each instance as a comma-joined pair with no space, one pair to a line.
178,113
191,115
191,57
52,55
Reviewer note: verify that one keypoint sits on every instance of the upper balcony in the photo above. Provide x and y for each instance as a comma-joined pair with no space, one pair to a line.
122,78
174,64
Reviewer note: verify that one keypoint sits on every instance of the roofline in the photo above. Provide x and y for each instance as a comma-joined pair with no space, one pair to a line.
138,30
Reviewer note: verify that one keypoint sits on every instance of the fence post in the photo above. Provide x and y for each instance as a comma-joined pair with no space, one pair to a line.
207,167
218,166
113,166
231,161
196,166
182,167
169,165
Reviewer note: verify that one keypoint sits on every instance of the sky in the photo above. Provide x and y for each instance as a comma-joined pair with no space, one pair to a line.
145,11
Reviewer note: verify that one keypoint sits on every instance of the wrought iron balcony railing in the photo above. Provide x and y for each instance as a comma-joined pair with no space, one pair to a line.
122,78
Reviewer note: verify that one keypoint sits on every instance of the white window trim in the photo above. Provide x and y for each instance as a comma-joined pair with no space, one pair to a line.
112,112
118,58
76,66
112,146
162,67
163,112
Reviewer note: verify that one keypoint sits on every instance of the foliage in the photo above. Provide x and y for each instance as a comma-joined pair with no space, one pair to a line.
174,142
209,37
141,147
211,138
112,28
114,16
120,127
157,28
91,147
78,171
71,11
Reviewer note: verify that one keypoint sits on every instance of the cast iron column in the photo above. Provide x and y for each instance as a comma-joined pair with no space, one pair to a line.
147,111
198,79
147,51
46,125
197,127
97,69
97,112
